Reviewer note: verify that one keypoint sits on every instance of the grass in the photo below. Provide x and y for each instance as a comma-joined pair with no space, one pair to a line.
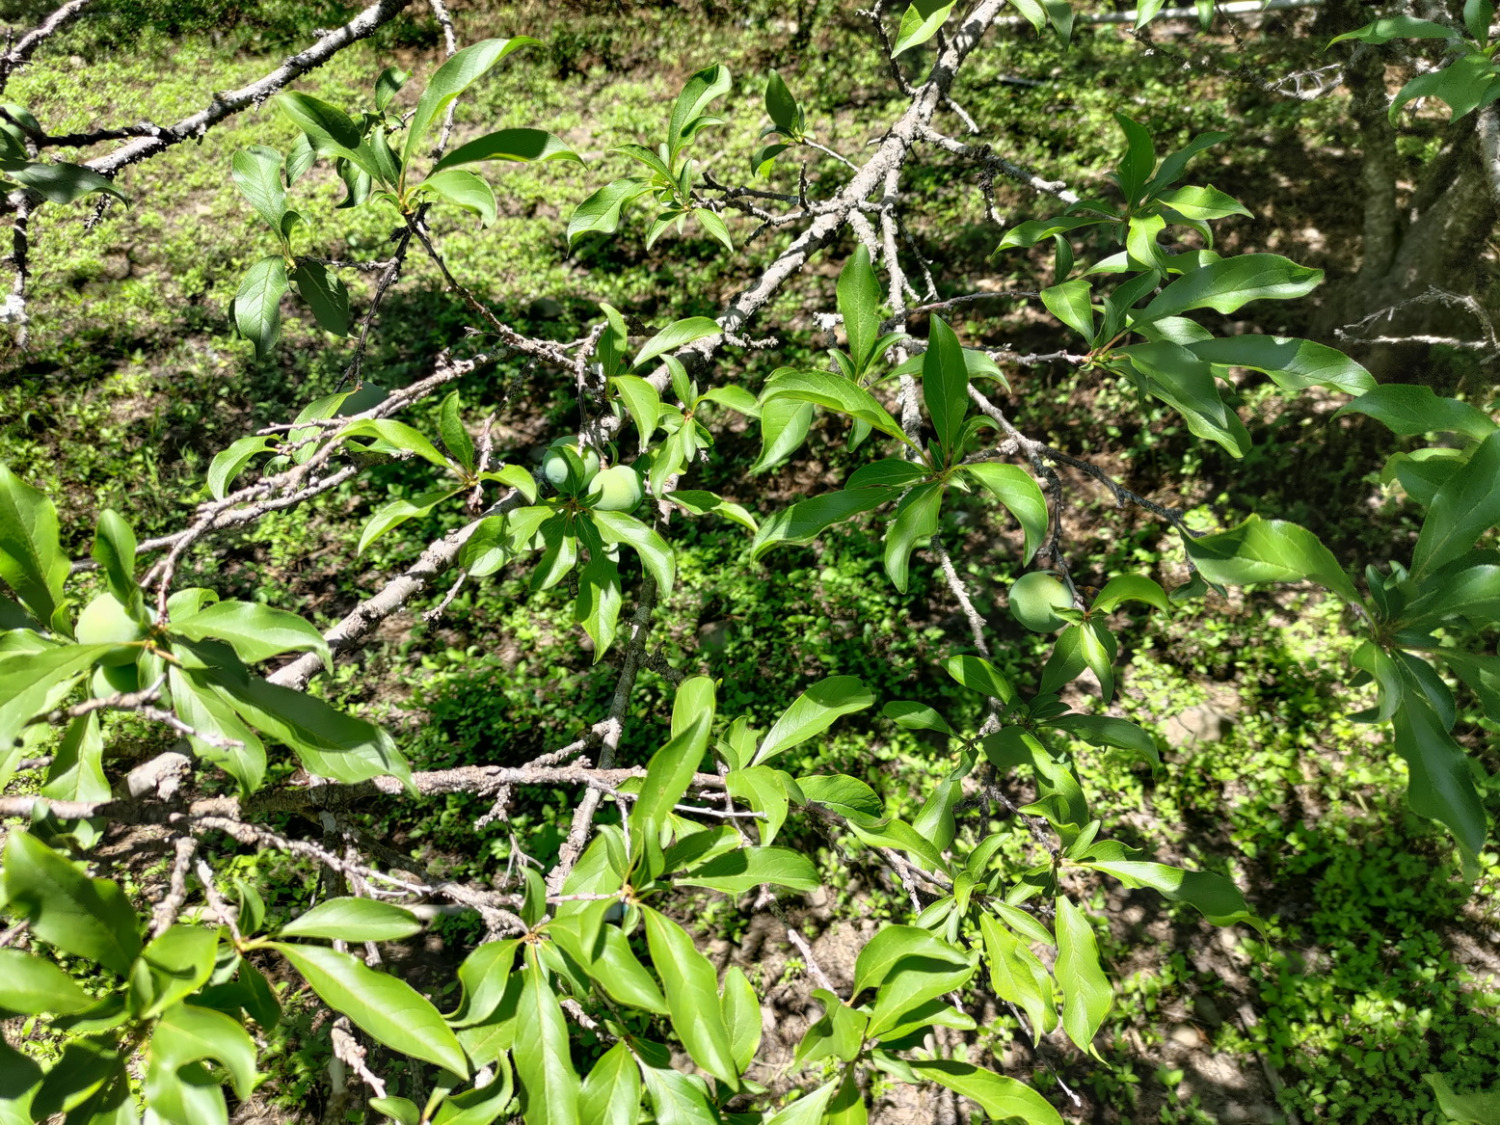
1365,978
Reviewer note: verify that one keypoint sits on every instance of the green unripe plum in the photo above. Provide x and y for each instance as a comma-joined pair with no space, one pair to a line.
555,463
121,677
105,621
617,489
1034,600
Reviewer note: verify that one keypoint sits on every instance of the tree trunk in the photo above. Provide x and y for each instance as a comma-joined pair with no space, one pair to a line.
1435,238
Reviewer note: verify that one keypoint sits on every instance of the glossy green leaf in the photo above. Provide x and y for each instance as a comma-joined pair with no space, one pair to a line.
1471,1109
611,1092
1018,976
1071,303
1213,896
170,968
839,1032
859,303
88,918
668,776
1465,507
387,1009
256,632
1293,364
257,303
656,555
1440,784
676,335
1105,730
1087,994
33,985
31,558
1269,551
202,707
353,920
230,462
745,869
399,434
186,1033
893,944
805,521
257,173
841,793
1019,494
452,79
77,769
835,393
1227,285
329,743
916,716
1003,1099
945,387
1184,382
516,145
1397,27
919,23
692,990
65,183
465,189
550,1088
808,1109
813,712
741,1016
325,293
916,519
1408,410
1131,588
687,112
600,212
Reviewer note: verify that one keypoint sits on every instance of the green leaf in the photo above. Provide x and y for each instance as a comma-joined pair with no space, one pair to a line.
550,1088
455,437
1213,896
1071,303
401,1110
1397,27
859,304
463,188
1087,995
805,521
668,776
77,770
1227,285
916,716
781,106
1003,1099
677,1098
1408,410
327,742
319,285
86,917
919,23
257,173
256,632
228,463
702,503
1019,494
1202,203
692,996
687,112
744,869
1478,15
641,402
33,986
843,794
597,607
390,1011
518,145
186,1033
257,303
1184,382
114,551
600,212
171,967
1131,588
677,335
1139,159
1104,730
1037,230
612,1091
65,183
891,945
331,130
397,512
399,434
1471,1109
813,712
714,225
784,423
1465,507
209,713
916,518
656,555
741,1015
1268,551
452,79
33,682
1440,784
1294,365
914,981
1465,84
835,393
353,920
808,1109
945,387
1018,976
978,674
